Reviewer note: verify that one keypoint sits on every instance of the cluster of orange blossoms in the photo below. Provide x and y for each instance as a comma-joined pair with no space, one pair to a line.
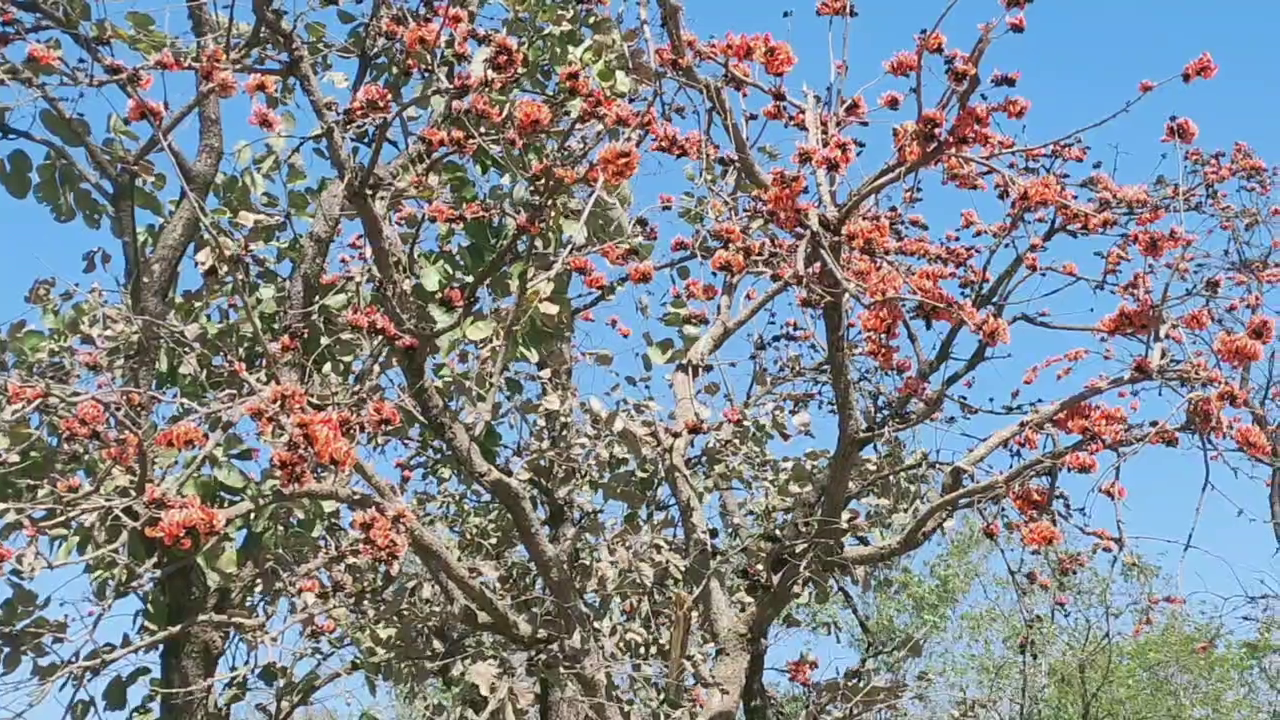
183,520
384,537
321,437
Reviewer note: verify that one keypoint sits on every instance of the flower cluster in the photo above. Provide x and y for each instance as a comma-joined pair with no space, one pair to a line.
384,538
184,435
374,320
183,520
800,670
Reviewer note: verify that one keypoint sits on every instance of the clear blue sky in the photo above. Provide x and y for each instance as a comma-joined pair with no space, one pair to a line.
1080,60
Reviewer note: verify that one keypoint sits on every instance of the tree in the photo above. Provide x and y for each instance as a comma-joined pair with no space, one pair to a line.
244,441
972,633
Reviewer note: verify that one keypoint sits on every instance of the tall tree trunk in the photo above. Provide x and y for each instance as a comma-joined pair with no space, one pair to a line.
558,702
755,697
189,660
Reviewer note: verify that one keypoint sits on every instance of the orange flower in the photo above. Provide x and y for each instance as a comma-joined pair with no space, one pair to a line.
618,162
41,55
1253,441
139,110
641,273
902,64
267,85
184,435
531,116
1040,534
371,101
1180,130
1202,67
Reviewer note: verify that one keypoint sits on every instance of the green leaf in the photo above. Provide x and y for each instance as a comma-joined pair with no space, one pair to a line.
661,352
268,675
115,695
17,174
71,132
480,330
140,20
230,476
80,709
431,277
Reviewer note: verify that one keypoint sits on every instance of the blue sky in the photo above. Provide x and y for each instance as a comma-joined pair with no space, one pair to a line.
1080,60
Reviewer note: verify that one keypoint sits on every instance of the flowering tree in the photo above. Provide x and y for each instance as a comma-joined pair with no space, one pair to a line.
394,289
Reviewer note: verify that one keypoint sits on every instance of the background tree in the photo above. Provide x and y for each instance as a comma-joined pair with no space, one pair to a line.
971,633
363,249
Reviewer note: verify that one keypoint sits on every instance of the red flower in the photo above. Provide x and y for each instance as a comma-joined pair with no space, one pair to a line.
382,415
138,110
778,57
1180,130
1237,350
800,670
728,262
371,101
1081,462
891,100
184,435
1114,491
263,117
902,64
641,273
994,330
1202,67
41,55
597,281
1017,23
267,85
1040,534
935,43
1261,329
618,162
1017,107
166,61
531,116
124,452
835,8
1030,500
24,394
184,517
505,58
1253,441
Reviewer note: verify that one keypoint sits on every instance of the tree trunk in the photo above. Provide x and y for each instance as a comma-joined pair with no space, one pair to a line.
557,702
755,697
189,660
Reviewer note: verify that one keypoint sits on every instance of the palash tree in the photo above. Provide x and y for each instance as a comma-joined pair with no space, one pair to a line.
363,252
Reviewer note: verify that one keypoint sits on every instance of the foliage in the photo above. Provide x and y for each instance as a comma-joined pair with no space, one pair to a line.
992,641
352,329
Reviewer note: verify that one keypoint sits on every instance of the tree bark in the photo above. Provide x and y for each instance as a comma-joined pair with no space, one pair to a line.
557,702
755,697
189,660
